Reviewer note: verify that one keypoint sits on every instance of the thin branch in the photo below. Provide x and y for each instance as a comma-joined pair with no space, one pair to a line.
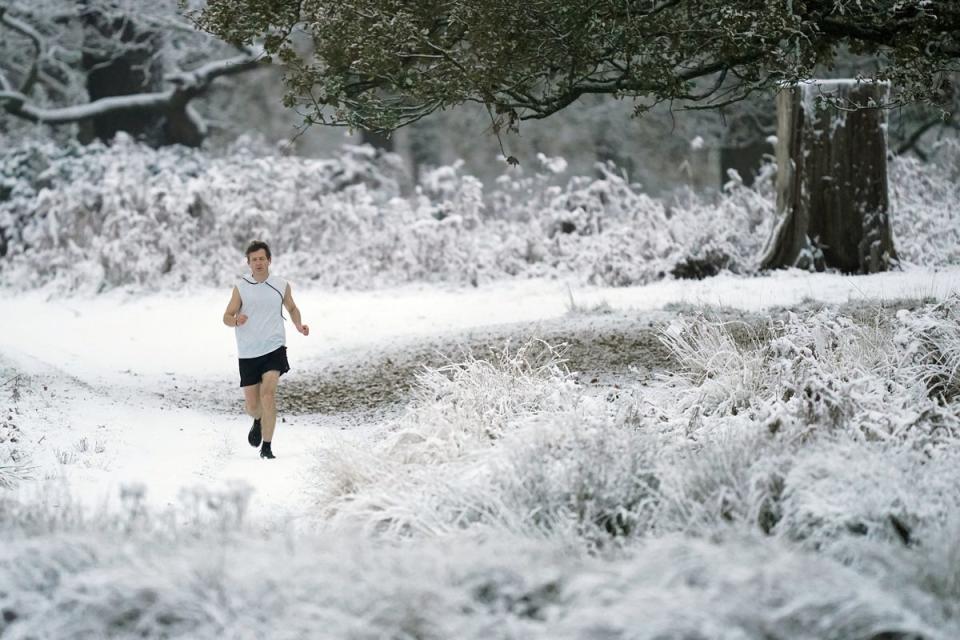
27,30
496,131
910,143
709,92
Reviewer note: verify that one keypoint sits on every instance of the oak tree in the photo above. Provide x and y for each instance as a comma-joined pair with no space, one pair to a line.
382,64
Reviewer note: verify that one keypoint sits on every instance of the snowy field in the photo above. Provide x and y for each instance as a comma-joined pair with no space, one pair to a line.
684,467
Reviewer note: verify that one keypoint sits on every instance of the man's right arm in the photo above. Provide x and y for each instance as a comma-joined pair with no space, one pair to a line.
231,317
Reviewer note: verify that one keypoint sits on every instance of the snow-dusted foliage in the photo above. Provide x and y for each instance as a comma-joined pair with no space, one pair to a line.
924,197
832,435
745,415
97,217
114,584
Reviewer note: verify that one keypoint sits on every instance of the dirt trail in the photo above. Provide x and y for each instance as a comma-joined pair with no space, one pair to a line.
597,348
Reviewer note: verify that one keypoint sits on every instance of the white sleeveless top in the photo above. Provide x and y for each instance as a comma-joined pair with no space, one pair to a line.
262,303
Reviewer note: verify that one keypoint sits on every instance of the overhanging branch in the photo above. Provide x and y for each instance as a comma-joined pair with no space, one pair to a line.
187,85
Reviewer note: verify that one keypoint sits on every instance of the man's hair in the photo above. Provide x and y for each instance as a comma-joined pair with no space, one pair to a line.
256,245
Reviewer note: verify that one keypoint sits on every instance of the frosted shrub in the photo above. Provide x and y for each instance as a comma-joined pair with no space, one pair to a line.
572,474
932,343
923,201
467,405
726,377
580,473
726,234
97,217
732,473
818,370
847,437
445,192
839,489
511,444
460,411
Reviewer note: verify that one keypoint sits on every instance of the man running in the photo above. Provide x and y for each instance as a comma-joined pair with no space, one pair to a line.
256,310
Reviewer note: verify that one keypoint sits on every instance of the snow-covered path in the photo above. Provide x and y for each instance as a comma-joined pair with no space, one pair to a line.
145,340
114,380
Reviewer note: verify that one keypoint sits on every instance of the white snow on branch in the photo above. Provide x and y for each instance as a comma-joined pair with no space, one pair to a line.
78,112
187,84
204,74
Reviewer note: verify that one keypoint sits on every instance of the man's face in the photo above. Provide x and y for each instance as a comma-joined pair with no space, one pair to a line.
258,261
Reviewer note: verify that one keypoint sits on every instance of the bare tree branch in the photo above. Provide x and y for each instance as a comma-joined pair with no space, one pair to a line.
187,85
910,144
38,45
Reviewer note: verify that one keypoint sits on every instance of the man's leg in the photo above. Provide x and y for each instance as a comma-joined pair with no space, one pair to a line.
251,401
251,404
268,403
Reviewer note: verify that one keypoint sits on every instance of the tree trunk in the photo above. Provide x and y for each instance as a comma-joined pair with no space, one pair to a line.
377,140
832,180
424,145
745,159
120,59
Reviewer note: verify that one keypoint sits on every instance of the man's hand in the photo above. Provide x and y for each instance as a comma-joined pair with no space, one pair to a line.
241,319
304,329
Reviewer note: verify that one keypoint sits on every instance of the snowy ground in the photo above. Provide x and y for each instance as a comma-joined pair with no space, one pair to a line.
121,389
150,378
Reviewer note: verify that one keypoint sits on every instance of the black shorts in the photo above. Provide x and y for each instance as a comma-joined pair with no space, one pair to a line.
252,369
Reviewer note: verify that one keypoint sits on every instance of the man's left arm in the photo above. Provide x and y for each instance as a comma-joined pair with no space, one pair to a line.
294,312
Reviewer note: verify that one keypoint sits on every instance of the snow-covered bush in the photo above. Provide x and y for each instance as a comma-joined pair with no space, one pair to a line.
828,431
98,217
824,370
512,443
724,474
460,416
192,583
923,199
579,474
838,489
932,344
725,376
732,440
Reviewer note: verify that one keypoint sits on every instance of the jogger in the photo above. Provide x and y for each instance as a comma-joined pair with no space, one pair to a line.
256,310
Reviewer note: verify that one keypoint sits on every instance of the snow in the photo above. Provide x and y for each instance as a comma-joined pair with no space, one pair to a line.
134,347
139,340
136,397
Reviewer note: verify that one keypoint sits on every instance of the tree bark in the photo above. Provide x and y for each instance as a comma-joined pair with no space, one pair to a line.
832,193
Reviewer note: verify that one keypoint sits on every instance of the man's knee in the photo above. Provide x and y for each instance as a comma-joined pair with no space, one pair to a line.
268,390
252,407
